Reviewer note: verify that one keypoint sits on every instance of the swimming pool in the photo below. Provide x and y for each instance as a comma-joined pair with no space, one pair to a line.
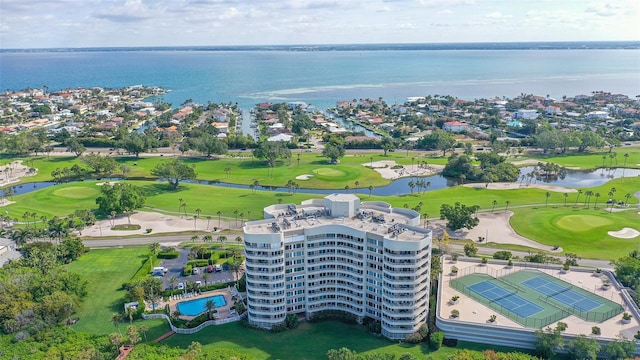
197,306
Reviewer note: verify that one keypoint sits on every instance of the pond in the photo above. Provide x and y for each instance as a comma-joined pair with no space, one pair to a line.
571,178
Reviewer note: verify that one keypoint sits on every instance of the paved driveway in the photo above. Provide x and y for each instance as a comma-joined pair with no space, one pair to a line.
175,266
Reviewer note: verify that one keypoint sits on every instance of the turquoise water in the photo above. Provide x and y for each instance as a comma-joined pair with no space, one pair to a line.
197,306
324,77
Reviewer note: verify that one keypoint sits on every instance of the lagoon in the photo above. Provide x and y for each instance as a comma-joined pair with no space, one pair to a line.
572,178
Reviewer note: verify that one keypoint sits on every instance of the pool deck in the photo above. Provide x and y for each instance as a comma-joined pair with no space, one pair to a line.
475,312
224,312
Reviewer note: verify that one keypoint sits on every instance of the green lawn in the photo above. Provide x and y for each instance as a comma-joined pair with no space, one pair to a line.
308,341
578,230
594,159
106,271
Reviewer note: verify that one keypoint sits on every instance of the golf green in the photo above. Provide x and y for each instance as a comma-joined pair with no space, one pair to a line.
329,172
77,192
582,222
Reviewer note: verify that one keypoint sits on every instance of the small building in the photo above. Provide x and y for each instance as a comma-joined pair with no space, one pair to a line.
527,114
455,126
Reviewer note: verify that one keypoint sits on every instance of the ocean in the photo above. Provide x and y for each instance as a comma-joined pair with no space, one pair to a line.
322,76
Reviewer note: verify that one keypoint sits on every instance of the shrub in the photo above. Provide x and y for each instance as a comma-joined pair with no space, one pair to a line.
502,255
278,327
188,270
454,257
435,340
485,260
149,230
637,335
492,318
565,266
372,325
334,315
562,326
168,254
291,321
413,338
454,269
455,298
455,313
626,316
595,330
510,263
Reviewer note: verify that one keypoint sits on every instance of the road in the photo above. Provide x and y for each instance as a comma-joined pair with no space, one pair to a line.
174,239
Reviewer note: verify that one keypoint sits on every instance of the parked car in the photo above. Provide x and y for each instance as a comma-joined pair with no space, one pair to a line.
196,271
218,268
198,283
210,268
180,286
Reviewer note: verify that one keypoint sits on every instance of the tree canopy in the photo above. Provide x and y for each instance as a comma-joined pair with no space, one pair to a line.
120,198
333,151
271,151
174,171
459,216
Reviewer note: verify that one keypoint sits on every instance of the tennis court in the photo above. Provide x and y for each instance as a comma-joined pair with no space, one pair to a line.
510,301
563,294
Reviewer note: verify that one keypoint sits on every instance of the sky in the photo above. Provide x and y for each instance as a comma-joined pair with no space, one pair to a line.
104,23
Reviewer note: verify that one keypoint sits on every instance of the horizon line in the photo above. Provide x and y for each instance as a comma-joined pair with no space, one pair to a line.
344,46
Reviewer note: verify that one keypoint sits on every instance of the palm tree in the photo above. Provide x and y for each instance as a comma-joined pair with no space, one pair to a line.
235,212
595,205
173,281
130,312
209,306
184,206
116,318
589,194
208,220
626,156
425,216
346,188
144,329
154,247
195,238
195,218
411,186
612,200
626,203
207,238
546,198
566,195
577,196
238,239
494,203
507,205
222,239
180,201
205,277
357,183
219,213
370,190
115,340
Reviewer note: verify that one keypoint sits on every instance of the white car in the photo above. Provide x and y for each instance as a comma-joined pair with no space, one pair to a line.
196,271
180,286
198,283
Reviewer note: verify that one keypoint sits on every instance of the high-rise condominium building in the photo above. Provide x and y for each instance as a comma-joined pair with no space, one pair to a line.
336,253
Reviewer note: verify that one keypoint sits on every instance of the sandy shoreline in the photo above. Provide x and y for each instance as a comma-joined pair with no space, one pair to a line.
386,170
516,185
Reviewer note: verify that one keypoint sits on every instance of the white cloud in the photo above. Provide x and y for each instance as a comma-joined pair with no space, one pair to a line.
77,23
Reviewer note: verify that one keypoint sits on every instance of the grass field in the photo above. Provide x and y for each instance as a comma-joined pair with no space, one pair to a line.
309,342
594,159
106,271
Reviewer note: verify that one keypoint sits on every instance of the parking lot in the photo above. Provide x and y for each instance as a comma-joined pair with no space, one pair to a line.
175,266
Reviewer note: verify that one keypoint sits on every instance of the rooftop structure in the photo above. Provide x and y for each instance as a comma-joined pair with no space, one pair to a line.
367,259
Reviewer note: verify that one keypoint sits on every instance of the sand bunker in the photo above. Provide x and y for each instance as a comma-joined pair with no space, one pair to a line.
386,169
517,185
110,183
625,233
304,177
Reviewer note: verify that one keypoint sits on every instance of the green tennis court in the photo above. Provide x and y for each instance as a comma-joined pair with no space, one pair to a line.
534,299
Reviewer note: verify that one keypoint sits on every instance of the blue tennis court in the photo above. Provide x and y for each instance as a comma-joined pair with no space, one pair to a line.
563,294
510,301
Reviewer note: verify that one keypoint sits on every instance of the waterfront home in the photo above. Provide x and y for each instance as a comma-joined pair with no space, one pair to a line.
455,126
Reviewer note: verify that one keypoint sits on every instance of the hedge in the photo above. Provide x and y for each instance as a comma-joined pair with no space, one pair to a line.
168,255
